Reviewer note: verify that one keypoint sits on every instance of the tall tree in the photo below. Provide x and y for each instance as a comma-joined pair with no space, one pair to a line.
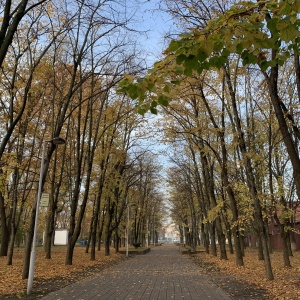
264,40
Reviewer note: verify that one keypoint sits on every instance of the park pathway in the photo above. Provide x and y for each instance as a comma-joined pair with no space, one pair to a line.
163,273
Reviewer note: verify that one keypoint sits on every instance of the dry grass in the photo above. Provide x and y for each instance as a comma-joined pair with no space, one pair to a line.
286,285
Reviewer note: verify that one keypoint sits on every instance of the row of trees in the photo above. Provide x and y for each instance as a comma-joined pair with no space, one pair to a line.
60,64
229,89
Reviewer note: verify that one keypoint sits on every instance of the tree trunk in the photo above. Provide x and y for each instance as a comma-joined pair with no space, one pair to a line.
180,229
242,243
90,237
94,225
117,241
212,232
220,233
107,241
107,231
52,209
260,249
228,230
4,228
266,221
209,183
263,235
297,72
70,251
290,240
11,245
193,229
49,232
93,235
285,240
28,246
206,237
225,177
286,135
100,231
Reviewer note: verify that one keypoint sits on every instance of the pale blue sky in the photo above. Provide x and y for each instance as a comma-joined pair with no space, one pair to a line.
156,24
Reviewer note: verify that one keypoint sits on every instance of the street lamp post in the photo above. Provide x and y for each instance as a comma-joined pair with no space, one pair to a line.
127,232
147,233
56,141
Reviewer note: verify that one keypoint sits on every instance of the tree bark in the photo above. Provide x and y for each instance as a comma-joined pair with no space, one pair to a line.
212,232
272,82
297,72
285,240
4,228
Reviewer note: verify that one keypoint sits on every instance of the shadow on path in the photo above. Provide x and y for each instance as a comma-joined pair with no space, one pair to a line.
236,288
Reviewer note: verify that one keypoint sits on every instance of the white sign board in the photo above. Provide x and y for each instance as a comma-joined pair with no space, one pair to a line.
61,237
44,200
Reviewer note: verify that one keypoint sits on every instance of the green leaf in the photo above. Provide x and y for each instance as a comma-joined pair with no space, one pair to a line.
199,70
163,100
201,56
153,110
239,48
218,46
132,92
225,53
142,110
217,61
222,61
188,72
264,65
151,85
173,46
166,88
257,25
205,65
176,82
289,33
285,8
272,25
213,61
296,6
153,103
190,64
180,58
248,58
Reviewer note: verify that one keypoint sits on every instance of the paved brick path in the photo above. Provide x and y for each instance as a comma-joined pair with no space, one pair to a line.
163,274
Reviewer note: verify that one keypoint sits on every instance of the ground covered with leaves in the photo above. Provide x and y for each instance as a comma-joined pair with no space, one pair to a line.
50,275
249,281
246,282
